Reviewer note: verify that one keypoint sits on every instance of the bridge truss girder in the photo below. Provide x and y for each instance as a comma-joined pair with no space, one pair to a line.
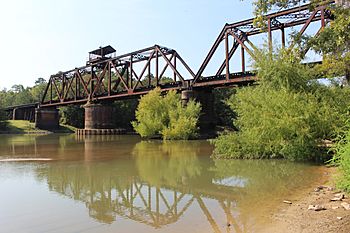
242,31
117,77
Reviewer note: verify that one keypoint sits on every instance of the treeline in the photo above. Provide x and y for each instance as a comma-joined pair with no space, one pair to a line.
18,94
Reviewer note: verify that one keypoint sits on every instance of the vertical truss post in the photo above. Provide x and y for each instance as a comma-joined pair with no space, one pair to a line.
63,87
78,81
323,23
131,69
91,82
51,90
227,57
269,32
283,37
76,87
149,73
157,68
109,78
127,77
175,67
243,59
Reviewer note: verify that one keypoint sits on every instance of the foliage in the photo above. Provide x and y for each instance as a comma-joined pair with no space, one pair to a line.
333,42
3,117
224,114
3,120
164,116
124,110
286,116
18,94
341,158
72,115
170,162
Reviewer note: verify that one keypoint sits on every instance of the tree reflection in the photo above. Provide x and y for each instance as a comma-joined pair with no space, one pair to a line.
169,163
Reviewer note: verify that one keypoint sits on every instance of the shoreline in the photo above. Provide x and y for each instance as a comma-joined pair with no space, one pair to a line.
297,217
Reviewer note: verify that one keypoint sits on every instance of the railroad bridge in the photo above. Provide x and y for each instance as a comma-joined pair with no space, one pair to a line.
107,77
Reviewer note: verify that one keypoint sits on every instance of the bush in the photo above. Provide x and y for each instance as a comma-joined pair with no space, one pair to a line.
164,116
286,116
341,159
124,110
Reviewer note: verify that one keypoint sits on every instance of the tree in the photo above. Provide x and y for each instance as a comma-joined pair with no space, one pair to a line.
40,81
72,115
37,91
333,42
287,115
164,116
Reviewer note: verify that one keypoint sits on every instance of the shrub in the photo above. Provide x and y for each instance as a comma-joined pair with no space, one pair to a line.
286,116
164,116
341,159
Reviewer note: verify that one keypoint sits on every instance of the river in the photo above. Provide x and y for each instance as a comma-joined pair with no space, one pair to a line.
66,183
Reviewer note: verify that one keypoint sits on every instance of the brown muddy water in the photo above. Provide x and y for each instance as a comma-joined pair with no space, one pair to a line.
63,183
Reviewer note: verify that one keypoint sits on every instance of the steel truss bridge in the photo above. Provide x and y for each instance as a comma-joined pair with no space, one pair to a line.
113,78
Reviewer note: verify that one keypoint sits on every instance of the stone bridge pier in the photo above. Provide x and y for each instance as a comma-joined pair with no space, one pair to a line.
98,120
47,118
98,116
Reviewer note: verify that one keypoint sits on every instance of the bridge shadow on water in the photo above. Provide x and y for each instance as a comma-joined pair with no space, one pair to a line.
161,184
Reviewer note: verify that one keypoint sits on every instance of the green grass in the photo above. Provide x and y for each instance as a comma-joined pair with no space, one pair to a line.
22,126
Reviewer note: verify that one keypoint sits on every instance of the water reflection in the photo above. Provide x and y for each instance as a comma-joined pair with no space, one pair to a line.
159,184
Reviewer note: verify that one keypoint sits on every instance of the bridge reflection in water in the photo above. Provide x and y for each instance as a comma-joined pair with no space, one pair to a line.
160,184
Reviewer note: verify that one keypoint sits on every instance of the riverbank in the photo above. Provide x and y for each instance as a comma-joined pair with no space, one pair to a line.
313,211
26,127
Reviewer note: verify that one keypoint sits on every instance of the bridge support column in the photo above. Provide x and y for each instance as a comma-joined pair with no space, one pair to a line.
17,114
207,120
98,116
46,118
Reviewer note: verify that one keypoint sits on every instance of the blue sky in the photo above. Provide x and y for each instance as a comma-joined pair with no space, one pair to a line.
39,38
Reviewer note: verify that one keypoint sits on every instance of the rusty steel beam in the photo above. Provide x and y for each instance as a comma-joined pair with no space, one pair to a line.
242,30
117,77
106,79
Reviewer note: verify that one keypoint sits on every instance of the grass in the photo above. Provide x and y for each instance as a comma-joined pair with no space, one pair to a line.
26,127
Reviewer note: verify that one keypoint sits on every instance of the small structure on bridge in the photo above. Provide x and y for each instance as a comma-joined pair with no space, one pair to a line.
101,54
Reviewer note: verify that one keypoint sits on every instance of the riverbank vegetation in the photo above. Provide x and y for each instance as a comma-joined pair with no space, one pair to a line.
164,116
333,44
288,115
27,127
341,158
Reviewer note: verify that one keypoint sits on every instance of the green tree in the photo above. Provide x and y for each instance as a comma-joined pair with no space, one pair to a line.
37,91
3,119
286,116
124,110
341,159
333,43
72,115
164,116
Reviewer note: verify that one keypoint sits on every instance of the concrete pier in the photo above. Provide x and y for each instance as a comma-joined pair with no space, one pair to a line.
98,116
98,121
46,118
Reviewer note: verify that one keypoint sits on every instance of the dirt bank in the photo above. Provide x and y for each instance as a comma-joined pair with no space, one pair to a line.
296,217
